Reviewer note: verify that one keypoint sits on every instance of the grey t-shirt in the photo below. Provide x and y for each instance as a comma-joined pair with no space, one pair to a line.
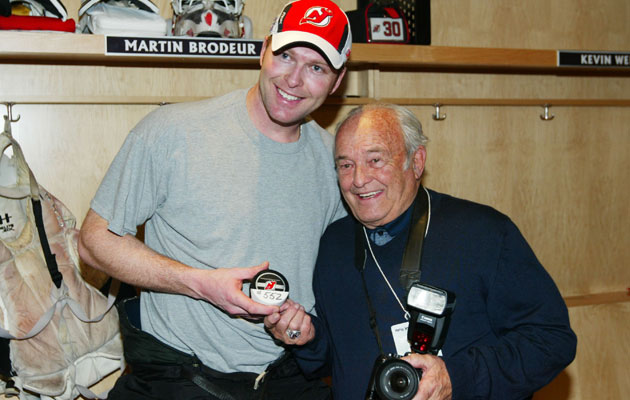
215,192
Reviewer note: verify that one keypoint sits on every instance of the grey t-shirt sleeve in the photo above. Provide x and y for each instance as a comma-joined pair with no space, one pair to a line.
130,191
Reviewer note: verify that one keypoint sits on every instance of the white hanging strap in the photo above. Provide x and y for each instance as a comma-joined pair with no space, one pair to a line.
36,329
21,190
78,311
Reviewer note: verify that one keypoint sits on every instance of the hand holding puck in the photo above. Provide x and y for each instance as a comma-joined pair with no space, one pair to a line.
269,287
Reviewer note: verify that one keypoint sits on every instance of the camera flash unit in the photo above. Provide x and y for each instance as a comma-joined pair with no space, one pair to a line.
430,309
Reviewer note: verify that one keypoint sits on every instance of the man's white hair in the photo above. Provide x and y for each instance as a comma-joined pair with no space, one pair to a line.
409,124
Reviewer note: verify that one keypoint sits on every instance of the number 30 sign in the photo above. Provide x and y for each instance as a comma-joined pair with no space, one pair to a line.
388,30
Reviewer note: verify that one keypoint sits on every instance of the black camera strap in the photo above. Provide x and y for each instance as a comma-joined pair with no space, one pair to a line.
373,324
411,266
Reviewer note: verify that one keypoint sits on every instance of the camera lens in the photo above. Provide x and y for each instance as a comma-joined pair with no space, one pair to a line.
397,380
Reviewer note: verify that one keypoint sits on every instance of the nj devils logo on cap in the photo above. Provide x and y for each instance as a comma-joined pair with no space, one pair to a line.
317,16
319,24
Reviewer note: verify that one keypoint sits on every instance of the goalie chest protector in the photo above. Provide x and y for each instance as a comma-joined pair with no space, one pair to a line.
68,353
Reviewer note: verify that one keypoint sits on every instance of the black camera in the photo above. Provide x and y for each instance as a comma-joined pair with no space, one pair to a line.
393,378
430,308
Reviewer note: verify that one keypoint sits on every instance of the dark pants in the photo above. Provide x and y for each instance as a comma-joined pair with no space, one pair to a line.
158,371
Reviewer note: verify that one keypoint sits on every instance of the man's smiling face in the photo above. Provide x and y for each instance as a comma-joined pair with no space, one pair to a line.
294,82
370,157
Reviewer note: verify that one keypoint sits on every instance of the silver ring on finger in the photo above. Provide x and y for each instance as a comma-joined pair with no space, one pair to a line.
293,333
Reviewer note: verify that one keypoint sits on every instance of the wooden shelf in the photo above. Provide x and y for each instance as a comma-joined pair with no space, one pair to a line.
598,298
69,48
451,57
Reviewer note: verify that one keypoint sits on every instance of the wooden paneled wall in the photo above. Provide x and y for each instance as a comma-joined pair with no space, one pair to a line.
564,181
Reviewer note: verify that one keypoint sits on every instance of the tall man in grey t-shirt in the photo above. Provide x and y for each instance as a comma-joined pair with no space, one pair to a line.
226,187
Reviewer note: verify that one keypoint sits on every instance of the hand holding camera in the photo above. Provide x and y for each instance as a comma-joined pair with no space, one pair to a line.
436,382
394,378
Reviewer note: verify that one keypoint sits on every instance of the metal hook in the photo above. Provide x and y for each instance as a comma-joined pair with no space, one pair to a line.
437,115
546,116
9,116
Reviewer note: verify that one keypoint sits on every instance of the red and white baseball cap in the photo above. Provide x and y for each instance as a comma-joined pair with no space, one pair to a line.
314,23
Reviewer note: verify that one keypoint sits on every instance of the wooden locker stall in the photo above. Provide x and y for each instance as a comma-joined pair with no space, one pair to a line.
491,67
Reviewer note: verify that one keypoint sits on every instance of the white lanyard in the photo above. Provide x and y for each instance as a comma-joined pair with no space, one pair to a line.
406,313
